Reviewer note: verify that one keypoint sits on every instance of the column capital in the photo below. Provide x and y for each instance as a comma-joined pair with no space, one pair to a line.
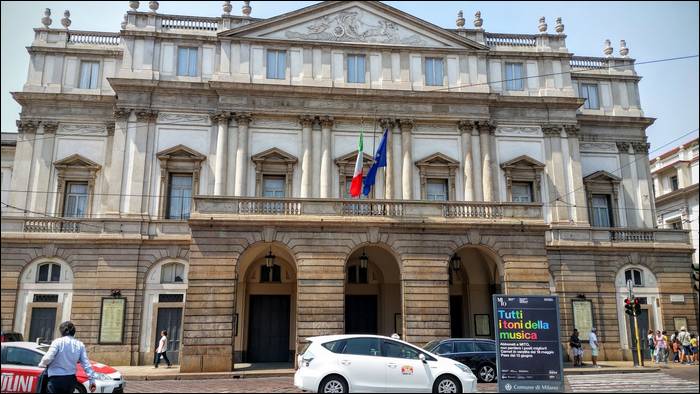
306,121
572,130
326,121
465,126
50,127
406,124
623,146
243,118
146,115
109,126
486,126
27,126
641,147
121,113
386,123
552,130
220,116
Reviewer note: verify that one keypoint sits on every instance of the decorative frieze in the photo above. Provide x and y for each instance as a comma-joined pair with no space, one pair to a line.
598,147
519,131
80,128
177,118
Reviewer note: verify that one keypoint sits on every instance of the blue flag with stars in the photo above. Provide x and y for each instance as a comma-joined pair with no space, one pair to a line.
379,161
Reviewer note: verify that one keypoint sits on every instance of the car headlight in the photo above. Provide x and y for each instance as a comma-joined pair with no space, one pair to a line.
101,376
464,368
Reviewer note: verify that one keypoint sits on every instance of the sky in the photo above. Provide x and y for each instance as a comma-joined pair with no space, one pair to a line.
652,30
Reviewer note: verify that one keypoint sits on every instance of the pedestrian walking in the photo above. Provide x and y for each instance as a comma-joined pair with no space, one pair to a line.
659,347
668,346
575,345
676,350
650,345
686,353
62,360
162,348
694,347
593,341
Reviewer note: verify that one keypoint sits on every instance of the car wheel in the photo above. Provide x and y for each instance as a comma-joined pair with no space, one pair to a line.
333,384
79,388
487,373
447,384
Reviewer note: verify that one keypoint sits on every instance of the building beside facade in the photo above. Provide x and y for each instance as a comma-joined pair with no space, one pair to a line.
198,168
675,176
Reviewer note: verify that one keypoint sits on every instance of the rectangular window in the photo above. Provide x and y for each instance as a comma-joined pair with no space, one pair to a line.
187,62
437,190
89,72
677,225
522,192
674,183
433,71
601,210
356,68
75,205
514,75
179,196
276,64
590,93
273,185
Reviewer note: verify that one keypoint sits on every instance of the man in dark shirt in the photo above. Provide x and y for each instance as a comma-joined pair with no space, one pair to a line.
575,345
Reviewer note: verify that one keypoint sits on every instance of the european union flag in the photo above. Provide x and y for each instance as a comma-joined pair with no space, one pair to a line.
379,161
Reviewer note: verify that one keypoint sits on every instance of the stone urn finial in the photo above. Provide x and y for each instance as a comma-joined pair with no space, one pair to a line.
227,8
65,21
460,20
153,5
559,28
134,5
46,20
246,8
542,27
125,22
478,22
624,51
608,49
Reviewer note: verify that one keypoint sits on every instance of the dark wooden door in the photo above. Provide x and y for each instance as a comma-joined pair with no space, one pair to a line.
268,330
361,314
170,319
456,317
43,324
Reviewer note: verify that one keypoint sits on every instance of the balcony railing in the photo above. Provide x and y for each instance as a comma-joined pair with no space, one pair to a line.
121,227
93,38
562,236
205,206
51,226
632,235
501,39
588,63
181,22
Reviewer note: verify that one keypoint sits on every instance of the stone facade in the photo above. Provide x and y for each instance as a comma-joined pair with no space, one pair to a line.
496,170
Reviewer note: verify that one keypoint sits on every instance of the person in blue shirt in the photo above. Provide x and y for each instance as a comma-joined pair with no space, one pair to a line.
62,361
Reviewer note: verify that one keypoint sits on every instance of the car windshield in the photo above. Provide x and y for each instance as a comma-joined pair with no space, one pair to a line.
431,344
43,349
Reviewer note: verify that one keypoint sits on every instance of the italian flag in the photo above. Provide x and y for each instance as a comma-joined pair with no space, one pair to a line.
356,185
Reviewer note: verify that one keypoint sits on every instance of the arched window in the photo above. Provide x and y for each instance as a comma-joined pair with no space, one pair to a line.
270,274
172,273
636,276
48,273
357,274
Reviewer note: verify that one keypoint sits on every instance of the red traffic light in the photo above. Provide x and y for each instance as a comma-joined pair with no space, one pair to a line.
627,301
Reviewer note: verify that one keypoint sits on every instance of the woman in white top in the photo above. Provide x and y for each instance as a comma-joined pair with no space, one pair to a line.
162,348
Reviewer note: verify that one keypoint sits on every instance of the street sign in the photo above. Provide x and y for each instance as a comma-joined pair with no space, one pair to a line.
529,355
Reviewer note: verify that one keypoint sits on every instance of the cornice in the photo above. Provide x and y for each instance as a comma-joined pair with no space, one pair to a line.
606,120
117,52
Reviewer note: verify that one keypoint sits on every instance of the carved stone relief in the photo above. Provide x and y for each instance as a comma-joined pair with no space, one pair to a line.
527,131
175,118
608,147
82,129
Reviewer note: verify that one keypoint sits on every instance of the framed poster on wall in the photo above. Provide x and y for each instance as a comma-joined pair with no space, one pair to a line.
679,322
112,317
583,316
482,325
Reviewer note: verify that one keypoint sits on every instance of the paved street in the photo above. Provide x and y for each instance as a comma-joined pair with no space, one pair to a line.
683,379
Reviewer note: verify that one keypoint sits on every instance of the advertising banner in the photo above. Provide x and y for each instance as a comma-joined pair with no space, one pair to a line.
527,341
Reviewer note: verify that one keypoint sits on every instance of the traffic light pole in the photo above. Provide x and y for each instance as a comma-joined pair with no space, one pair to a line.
630,286
636,334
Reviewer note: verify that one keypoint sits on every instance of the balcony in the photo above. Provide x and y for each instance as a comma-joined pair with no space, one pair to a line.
102,228
377,211
618,238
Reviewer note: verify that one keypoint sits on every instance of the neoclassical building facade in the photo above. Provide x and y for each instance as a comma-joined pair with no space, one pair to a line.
198,169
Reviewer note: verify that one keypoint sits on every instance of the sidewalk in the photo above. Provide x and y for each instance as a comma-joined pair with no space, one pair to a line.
609,367
243,370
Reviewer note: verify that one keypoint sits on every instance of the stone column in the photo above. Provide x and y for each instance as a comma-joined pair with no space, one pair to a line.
647,204
243,120
576,175
485,130
41,168
115,170
477,179
326,157
555,169
306,122
21,171
629,185
137,140
465,128
231,159
388,124
406,126
220,166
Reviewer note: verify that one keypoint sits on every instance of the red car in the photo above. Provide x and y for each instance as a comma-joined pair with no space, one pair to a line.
20,371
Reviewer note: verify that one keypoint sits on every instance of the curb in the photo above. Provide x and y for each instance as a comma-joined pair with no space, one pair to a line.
605,371
205,376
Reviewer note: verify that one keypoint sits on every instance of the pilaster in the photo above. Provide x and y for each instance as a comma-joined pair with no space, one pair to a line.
465,127
243,121
306,122
326,159
406,126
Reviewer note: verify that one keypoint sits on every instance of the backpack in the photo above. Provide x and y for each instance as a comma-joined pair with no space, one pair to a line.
650,341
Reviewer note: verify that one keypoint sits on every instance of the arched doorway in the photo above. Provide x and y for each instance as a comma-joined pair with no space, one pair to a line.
372,292
474,276
265,316
44,299
646,289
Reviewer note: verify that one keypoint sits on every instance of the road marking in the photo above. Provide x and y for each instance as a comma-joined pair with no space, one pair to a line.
631,382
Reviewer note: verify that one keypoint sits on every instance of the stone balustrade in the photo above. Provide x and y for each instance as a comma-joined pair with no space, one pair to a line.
502,39
122,227
614,237
183,22
206,206
588,63
93,38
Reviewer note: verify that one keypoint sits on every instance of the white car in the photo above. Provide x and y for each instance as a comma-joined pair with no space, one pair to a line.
371,363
